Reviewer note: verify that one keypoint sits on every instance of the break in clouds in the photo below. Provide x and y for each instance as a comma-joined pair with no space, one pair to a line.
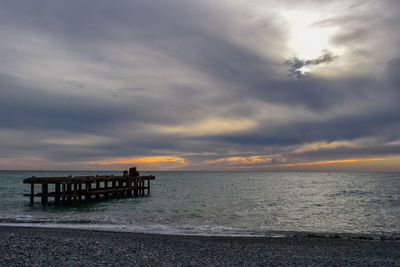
196,85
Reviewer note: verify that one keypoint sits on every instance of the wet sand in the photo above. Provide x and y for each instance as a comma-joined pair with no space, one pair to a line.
28,246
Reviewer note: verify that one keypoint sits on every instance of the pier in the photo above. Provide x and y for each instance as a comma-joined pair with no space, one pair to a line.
77,189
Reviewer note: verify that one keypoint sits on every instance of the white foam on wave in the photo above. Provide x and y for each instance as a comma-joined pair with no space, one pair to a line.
151,229
206,231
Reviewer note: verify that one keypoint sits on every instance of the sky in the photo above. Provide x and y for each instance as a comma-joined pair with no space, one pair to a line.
284,85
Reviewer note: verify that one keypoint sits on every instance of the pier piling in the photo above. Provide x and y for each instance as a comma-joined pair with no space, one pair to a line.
81,188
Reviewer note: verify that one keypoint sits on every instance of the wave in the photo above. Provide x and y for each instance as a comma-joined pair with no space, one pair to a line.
197,231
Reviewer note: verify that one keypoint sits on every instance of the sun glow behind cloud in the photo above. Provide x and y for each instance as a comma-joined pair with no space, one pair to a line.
306,40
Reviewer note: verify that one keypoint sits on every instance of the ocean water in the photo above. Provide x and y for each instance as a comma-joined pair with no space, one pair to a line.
225,203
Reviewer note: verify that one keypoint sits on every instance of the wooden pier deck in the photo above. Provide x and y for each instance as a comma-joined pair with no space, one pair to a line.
86,188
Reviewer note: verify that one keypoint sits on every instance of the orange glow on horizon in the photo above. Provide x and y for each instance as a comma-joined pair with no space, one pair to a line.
238,159
266,162
165,162
238,162
335,161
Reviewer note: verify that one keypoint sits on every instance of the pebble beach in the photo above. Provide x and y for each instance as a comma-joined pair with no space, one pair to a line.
32,246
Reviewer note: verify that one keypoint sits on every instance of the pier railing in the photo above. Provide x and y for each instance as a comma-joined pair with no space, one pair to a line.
85,188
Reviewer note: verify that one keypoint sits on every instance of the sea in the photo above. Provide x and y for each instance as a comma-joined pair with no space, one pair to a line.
274,204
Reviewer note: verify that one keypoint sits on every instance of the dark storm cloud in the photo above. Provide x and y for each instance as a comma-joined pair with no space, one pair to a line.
393,71
28,108
348,127
296,64
23,106
178,34
315,93
189,32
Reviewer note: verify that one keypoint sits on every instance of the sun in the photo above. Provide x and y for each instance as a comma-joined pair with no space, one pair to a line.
305,39
307,43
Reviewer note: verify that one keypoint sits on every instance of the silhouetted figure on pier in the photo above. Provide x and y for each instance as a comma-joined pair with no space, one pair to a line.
133,172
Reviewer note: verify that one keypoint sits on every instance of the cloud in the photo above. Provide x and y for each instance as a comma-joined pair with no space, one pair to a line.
296,65
393,72
316,146
156,162
194,82
210,126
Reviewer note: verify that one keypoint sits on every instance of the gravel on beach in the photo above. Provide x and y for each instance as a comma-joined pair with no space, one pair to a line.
30,246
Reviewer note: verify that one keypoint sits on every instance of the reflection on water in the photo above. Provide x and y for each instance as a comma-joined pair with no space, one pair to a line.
214,202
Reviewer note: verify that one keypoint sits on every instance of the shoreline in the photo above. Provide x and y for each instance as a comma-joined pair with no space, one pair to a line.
24,246
232,233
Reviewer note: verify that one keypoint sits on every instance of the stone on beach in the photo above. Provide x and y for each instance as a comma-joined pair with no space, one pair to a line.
29,246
